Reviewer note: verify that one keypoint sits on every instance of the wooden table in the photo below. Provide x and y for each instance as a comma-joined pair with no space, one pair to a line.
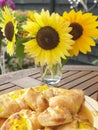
74,76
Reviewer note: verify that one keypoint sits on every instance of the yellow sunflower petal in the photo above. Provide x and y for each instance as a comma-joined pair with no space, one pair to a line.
88,22
10,48
31,26
8,17
64,43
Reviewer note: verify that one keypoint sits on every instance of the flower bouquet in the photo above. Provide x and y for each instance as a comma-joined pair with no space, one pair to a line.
51,39
56,38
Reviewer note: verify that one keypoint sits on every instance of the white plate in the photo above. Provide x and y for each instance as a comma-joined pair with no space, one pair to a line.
93,107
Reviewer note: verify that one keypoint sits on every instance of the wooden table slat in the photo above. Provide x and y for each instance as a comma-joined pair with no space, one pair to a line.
26,82
78,80
6,86
74,76
10,90
87,83
94,96
80,67
36,76
70,76
17,75
68,73
92,89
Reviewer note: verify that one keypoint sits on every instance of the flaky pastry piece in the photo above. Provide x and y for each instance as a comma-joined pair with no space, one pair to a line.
72,100
8,106
62,108
77,124
21,99
2,120
12,102
54,116
35,100
50,128
52,91
18,96
23,120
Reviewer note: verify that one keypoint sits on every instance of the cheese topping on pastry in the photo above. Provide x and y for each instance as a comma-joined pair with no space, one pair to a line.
41,88
1,109
18,123
16,94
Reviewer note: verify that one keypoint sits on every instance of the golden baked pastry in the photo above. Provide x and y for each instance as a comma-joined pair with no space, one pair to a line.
21,99
62,108
8,106
35,100
77,124
54,116
45,108
51,92
23,120
72,100
2,120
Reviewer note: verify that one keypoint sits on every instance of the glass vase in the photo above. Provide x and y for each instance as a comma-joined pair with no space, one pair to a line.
51,75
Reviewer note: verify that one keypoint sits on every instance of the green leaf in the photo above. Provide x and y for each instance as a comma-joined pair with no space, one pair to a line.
95,62
20,61
64,61
20,50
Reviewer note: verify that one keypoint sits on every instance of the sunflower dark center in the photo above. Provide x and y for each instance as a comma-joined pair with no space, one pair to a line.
47,38
77,30
9,31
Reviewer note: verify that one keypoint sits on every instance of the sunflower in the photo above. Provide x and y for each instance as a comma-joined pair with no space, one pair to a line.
84,30
50,41
30,15
9,29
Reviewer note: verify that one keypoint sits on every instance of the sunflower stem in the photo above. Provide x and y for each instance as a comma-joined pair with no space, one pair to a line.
45,72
